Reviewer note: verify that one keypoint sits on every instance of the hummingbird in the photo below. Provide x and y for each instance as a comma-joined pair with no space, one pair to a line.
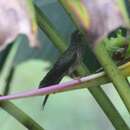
65,64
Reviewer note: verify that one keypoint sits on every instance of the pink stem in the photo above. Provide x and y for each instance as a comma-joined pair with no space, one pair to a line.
51,89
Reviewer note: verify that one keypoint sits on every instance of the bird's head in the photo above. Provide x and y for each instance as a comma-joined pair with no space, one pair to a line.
76,36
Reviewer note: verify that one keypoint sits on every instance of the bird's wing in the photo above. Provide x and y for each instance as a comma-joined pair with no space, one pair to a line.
59,69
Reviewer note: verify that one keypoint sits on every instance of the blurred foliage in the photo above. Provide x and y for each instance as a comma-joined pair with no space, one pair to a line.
20,13
72,110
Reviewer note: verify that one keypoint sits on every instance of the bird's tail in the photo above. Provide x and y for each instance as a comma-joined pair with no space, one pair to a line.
45,101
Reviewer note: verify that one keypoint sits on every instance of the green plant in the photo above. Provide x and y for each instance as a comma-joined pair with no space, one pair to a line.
103,47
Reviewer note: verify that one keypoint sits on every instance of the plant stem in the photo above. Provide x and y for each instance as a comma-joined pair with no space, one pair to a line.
19,115
9,107
111,112
95,92
49,29
3,56
85,82
9,80
120,82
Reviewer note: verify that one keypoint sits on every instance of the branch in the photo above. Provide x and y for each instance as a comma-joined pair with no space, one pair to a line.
21,116
85,82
